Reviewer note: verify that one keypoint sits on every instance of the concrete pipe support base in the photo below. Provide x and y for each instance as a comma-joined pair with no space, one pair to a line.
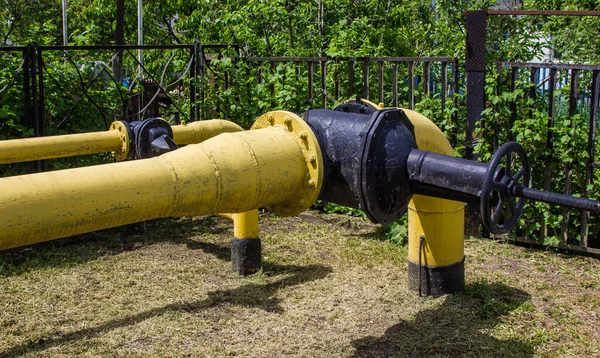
436,281
246,245
246,255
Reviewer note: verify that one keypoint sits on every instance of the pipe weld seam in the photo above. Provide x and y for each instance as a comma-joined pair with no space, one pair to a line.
255,164
219,191
176,194
410,207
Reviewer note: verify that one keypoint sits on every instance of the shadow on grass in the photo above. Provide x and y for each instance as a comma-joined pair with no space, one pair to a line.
219,251
458,328
88,247
251,295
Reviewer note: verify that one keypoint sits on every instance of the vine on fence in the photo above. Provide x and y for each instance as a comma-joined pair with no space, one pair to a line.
559,150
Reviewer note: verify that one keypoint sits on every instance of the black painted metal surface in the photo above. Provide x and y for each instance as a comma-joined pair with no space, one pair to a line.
365,159
246,255
152,137
442,176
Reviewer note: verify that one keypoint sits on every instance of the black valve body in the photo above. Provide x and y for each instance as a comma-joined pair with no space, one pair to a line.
365,159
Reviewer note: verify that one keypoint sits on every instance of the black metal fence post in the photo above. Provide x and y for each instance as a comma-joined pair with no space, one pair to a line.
475,71
593,122
194,60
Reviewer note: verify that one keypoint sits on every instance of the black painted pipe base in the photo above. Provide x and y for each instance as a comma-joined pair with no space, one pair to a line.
246,256
436,281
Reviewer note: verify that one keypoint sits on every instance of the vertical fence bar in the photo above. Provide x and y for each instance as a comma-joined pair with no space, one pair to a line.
380,81
350,78
475,59
272,84
42,102
34,102
248,87
591,155
453,139
444,88
426,79
26,89
532,90
259,73
236,83
497,106
366,78
324,83
310,82
34,90
336,78
27,97
200,64
564,227
411,85
395,84
514,77
297,80
549,140
193,116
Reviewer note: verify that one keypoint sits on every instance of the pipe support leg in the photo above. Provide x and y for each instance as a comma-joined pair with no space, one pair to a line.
246,251
435,227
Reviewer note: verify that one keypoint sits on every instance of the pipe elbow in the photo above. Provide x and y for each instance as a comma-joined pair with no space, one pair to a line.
440,221
198,132
428,135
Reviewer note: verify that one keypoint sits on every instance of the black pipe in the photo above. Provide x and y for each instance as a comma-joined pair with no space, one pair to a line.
558,199
448,177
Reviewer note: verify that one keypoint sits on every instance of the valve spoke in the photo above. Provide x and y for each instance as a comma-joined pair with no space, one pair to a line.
518,175
511,204
498,211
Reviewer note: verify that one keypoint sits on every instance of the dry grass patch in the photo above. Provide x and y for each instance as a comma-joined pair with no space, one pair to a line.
330,286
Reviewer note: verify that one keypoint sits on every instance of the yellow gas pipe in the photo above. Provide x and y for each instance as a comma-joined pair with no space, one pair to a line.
245,225
435,226
199,131
278,165
115,140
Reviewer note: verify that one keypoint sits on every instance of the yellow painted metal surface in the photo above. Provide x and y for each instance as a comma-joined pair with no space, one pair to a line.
115,140
225,216
233,172
441,221
27,149
307,193
376,106
123,151
245,225
198,132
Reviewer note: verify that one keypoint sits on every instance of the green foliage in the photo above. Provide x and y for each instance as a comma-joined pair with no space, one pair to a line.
560,149
397,232
331,208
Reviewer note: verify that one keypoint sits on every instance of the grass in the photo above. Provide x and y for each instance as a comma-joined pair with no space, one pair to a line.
330,286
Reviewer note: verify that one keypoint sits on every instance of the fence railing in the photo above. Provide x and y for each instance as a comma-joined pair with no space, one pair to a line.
569,92
324,81
185,82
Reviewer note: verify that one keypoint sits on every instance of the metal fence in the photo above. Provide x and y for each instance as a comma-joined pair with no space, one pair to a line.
543,85
193,82
568,92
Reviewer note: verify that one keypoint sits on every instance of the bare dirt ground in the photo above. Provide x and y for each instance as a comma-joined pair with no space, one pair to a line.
331,286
